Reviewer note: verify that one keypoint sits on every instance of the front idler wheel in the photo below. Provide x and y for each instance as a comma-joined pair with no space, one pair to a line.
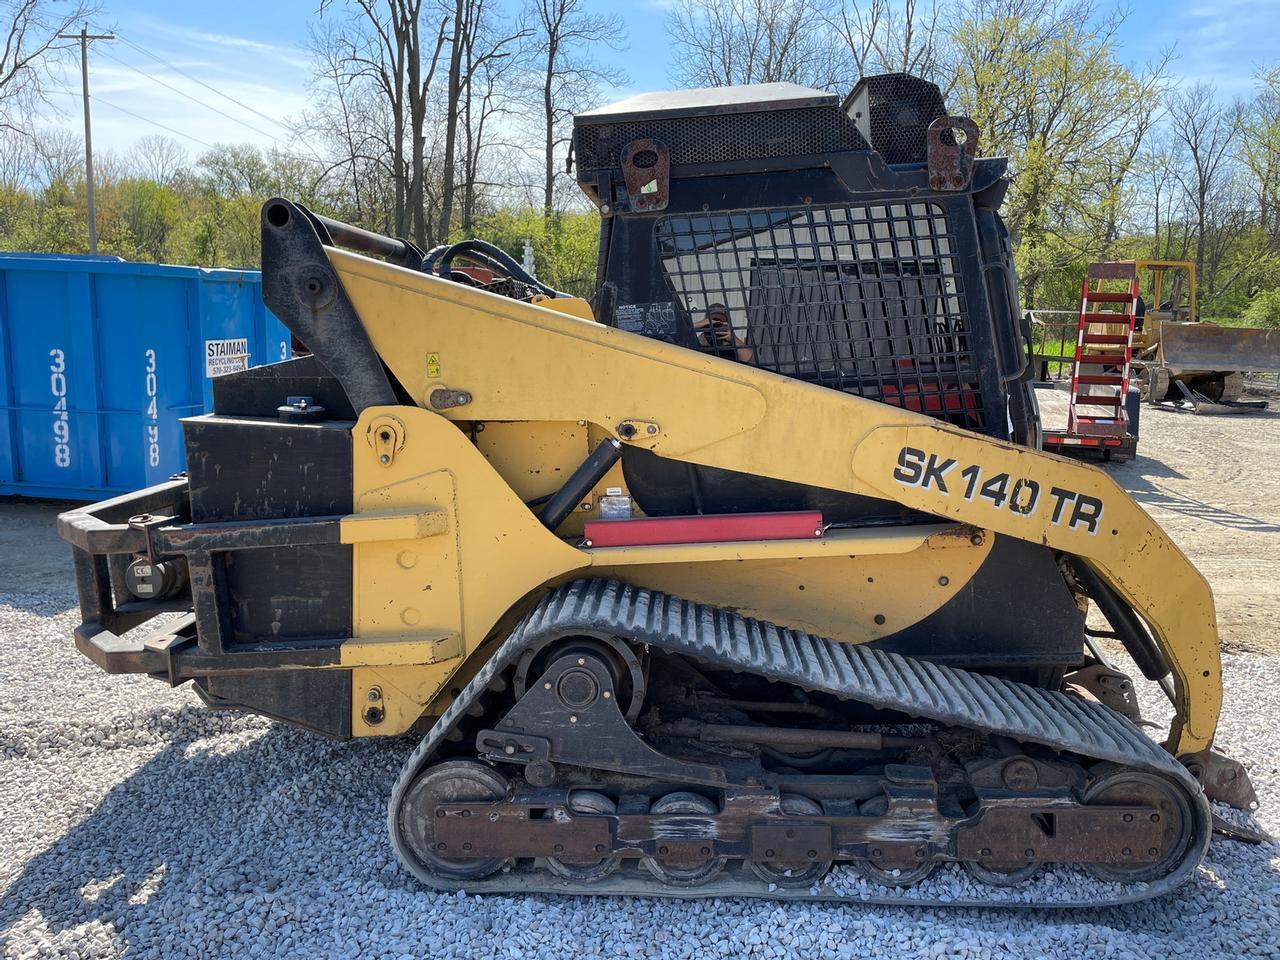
586,871
1117,786
681,871
804,873
454,781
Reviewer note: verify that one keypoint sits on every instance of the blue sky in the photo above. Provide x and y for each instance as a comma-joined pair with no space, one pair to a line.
253,50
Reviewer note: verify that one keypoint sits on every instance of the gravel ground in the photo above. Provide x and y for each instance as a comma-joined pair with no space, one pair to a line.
134,822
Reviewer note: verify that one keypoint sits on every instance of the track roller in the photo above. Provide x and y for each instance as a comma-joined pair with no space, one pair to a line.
804,873
684,872
586,802
1001,876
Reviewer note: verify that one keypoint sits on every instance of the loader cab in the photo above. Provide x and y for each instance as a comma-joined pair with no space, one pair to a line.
852,244
1173,289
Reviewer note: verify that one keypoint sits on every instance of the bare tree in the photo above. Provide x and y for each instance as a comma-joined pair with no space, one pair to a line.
1204,132
351,121
569,77
30,29
60,155
882,37
383,43
17,161
493,60
159,158
477,47
726,42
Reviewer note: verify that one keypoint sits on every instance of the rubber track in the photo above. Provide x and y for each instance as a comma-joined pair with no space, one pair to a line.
853,672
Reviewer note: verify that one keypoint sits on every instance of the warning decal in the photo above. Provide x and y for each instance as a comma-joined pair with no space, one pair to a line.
433,366
225,356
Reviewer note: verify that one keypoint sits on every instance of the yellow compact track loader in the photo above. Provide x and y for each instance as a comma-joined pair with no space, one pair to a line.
746,578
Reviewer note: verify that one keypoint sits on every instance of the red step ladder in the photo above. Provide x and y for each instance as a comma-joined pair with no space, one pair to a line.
1104,351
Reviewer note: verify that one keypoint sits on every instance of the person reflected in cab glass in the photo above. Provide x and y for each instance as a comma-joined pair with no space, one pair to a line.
715,331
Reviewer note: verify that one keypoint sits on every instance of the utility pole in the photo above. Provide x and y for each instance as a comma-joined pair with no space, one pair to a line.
84,36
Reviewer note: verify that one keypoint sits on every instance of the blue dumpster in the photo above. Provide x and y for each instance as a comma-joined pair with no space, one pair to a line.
99,357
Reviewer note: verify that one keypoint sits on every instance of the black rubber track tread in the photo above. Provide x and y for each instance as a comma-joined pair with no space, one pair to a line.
724,639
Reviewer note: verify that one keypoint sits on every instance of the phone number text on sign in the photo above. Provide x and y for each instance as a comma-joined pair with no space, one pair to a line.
1022,496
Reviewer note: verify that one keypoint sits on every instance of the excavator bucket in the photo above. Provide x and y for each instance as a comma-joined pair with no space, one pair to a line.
1207,346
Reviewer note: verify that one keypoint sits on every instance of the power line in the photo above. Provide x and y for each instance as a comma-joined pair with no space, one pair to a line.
208,86
137,116
196,100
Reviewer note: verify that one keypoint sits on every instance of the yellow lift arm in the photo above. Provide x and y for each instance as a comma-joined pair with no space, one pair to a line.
521,362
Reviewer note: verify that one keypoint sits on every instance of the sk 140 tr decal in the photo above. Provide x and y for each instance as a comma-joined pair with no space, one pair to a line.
1020,495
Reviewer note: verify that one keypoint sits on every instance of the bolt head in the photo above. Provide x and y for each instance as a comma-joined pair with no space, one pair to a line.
384,459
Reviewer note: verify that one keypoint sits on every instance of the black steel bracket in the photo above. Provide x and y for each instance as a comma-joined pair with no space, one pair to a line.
301,287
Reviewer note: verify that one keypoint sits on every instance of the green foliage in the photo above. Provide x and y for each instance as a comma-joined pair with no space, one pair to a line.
1263,310
564,245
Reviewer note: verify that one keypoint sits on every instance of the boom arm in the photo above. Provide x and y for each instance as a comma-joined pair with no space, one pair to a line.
522,362
497,359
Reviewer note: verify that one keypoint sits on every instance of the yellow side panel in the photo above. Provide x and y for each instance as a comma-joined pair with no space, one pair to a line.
855,599
430,600
534,458
573,306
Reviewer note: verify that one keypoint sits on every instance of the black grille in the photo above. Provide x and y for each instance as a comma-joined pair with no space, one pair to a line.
722,138
899,110
866,299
